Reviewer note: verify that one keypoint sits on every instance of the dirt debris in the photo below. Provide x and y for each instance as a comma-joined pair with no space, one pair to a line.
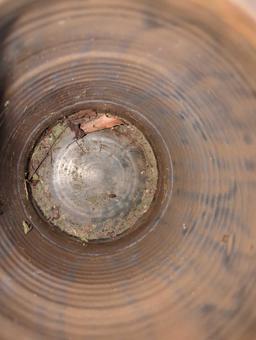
27,227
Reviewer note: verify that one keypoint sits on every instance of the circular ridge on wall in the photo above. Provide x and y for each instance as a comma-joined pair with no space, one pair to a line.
184,74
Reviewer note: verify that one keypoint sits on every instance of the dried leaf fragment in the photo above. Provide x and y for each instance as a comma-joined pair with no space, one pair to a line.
101,123
26,227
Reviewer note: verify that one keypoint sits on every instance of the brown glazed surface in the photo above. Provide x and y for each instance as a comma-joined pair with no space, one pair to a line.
185,70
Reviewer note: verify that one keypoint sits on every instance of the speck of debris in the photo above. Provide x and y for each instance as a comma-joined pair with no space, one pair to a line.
55,213
225,238
112,195
26,227
229,241
184,228
26,191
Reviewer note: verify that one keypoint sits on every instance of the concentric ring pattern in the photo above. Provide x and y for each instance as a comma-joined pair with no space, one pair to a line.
186,72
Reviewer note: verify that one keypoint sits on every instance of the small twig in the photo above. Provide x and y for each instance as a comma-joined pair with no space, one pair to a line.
35,172
80,146
73,141
46,155
51,156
